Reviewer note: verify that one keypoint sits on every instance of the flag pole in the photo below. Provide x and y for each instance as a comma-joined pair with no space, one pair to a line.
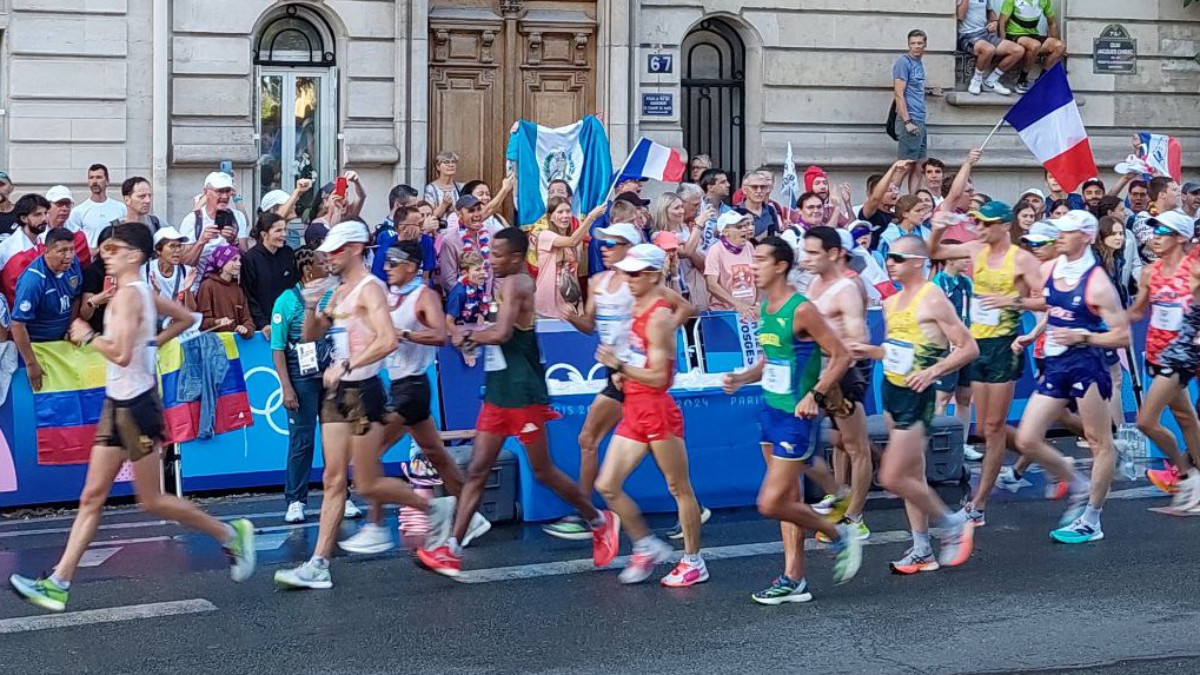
617,175
993,133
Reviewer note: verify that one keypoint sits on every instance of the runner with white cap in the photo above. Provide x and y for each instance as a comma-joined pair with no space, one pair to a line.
353,412
1085,319
1165,289
652,422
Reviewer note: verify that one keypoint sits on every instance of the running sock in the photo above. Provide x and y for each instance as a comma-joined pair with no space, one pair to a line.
952,519
854,519
693,559
978,77
320,562
921,542
64,585
1078,484
1091,516
230,535
995,76
455,547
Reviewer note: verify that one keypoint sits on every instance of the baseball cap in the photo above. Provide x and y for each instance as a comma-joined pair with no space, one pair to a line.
992,212
643,257
627,231
632,198
1034,191
4,178
1180,222
167,234
346,232
667,241
466,202
314,234
218,181
1190,187
729,219
272,199
858,228
58,193
1041,232
1077,221
400,254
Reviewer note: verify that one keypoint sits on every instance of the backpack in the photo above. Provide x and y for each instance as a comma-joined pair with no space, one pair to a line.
891,122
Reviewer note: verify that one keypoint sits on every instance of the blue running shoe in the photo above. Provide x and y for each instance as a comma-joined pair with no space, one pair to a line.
1078,532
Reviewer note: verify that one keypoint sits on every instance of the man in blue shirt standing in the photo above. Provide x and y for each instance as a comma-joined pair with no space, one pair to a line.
908,75
47,299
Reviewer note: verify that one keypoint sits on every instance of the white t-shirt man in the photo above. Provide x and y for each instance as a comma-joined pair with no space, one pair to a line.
189,229
91,217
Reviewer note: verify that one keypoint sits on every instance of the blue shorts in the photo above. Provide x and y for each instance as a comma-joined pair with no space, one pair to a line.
1071,374
791,438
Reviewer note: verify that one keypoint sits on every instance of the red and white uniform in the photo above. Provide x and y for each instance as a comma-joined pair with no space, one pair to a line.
650,413
1170,298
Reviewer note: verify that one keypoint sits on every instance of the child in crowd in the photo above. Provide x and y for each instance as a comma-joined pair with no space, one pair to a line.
953,280
469,300
221,300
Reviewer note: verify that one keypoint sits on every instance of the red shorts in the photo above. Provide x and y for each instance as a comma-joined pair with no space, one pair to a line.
650,417
527,424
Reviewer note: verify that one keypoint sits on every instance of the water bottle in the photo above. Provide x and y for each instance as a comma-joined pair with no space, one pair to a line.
1133,452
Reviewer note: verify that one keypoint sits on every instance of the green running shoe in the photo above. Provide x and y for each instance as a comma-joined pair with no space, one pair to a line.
240,550
571,528
41,592
782,590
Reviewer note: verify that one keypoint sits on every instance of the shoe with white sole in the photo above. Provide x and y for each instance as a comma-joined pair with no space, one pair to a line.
369,540
295,513
479,526
351,512
971,454
998,88
307,575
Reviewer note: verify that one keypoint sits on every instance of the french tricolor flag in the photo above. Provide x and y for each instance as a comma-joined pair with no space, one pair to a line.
651,160
1163,153
1048,120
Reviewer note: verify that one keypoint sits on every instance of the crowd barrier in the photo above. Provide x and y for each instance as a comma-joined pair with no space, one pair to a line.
722,431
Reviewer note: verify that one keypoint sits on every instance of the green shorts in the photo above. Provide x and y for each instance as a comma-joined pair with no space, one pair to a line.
997,363
952,382
908,407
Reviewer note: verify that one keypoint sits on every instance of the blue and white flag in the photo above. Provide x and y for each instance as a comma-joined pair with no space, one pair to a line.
789,188
578,154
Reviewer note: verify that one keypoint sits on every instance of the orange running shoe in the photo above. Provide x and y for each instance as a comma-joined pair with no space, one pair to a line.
956,545
606,539
1164,479
441,560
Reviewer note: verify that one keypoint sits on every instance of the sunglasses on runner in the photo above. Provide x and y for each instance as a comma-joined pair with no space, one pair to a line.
612,243
1164,231
1038,244
905,257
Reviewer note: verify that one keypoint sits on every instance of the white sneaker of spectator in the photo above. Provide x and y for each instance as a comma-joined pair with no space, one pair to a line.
993,84
976,85
295,513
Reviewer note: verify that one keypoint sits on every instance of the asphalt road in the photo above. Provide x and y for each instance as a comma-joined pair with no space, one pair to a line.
1022,604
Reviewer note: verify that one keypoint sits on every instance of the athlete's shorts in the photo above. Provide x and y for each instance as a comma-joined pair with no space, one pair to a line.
650,417
907,407
1071,374
952,382
1156,370
528,424
791,438
410,399
357,403
997,362
610,390
966,43
1111,358
135,426
854,382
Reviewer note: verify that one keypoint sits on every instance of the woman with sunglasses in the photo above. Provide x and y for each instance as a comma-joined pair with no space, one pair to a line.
1165,290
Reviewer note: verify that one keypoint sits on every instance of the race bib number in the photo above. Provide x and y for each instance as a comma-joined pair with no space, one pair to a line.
982,316
493,359
306,358
1166,316
341,343
898,357
777,377
610,328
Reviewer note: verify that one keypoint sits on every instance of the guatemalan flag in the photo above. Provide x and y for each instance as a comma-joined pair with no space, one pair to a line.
651,160
1048,120
578,153
1162,153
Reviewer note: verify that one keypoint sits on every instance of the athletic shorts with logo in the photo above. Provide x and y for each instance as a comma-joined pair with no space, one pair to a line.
650,417
410,399
997,362
908,408
527,424
852,388
1071,374
791,438
135,426
357,403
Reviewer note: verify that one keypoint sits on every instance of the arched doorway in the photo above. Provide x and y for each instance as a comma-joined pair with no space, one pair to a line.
296,103
713,106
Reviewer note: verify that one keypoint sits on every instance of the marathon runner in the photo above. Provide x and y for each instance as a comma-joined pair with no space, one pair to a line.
925,341
608,310
131,426
651,422
839,296
1003,274
420,326
515,403
352,415
1165,288
793,334
1085,319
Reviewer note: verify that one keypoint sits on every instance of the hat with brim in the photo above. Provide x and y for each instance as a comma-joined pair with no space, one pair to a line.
730,219
992,212
643,257
628,232
343,234
1181,223
1077,221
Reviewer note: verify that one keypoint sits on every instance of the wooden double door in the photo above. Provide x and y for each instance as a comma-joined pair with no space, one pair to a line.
492,62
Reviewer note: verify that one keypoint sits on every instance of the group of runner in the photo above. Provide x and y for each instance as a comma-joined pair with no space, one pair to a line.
816,362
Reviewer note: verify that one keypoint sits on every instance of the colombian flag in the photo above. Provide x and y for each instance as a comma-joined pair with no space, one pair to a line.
67,408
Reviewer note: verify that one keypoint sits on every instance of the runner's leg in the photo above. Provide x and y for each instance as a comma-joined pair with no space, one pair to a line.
103,466
366,452
902,471
427,437
147,483
483,456
992,402
537,449
775,499
335,449
858,447
671,457
1097,425
1040,412
1164,391
793,536
603,416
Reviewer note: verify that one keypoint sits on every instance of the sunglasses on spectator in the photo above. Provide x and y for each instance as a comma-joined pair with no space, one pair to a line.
905,257
1163,231
635,275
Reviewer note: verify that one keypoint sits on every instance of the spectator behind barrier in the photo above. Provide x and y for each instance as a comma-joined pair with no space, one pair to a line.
221,301
98,287
697,166
8,218
268,269
557,284
470,234
61,201
20,249
168,276
729,267
47,300
443,192
213,223
99,210
138,197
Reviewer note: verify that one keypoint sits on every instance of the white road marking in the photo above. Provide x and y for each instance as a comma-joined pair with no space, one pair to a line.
558,568
270,542
97,556
110,615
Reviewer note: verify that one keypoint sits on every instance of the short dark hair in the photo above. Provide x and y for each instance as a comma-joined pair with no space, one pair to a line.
60,234
1138,183
780,250
948,182
517,241
266,220
411,249
570,192
1158,185
469,186
131,183
29,203
401,193
1096,182
709,178
917,32
872,181
1108,204
136,235
828,237
99,167
982,197
934,161
807,196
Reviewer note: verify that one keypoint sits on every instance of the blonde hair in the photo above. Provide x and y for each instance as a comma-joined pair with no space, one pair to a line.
470,259
662,204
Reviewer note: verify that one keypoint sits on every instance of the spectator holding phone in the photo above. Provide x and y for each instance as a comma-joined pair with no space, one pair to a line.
221,301
213,223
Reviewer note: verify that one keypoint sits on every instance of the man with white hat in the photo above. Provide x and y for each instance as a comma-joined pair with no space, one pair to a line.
214,222
61,202
99,210
1165,289
1085,319
729,267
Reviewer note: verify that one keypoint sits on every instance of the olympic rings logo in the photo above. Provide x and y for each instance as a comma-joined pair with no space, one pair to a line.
274,400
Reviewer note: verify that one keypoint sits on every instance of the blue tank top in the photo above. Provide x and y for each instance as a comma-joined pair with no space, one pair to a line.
1070,310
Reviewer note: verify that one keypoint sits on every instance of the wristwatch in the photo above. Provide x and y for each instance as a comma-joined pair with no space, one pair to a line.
818,397
346,367
405,335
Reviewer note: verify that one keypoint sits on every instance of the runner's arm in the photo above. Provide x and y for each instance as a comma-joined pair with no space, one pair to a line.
809,320
735,380
118,347
854,312
517,295
1137,309
379,322
181,319
1030,280
963,348
681,309
939,251
586,322
661,334
1102,296
429,313
316,324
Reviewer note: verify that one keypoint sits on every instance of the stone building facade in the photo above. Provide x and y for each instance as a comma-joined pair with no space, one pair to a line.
169,89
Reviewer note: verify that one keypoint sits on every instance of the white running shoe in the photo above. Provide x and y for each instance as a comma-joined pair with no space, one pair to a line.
1008,481
1187,492
307,575
441,522
295,513
975,86
642,563
997,88
971,454
351,512
369,539
479,526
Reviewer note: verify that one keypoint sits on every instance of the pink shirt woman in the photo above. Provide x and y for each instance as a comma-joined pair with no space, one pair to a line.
558,247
